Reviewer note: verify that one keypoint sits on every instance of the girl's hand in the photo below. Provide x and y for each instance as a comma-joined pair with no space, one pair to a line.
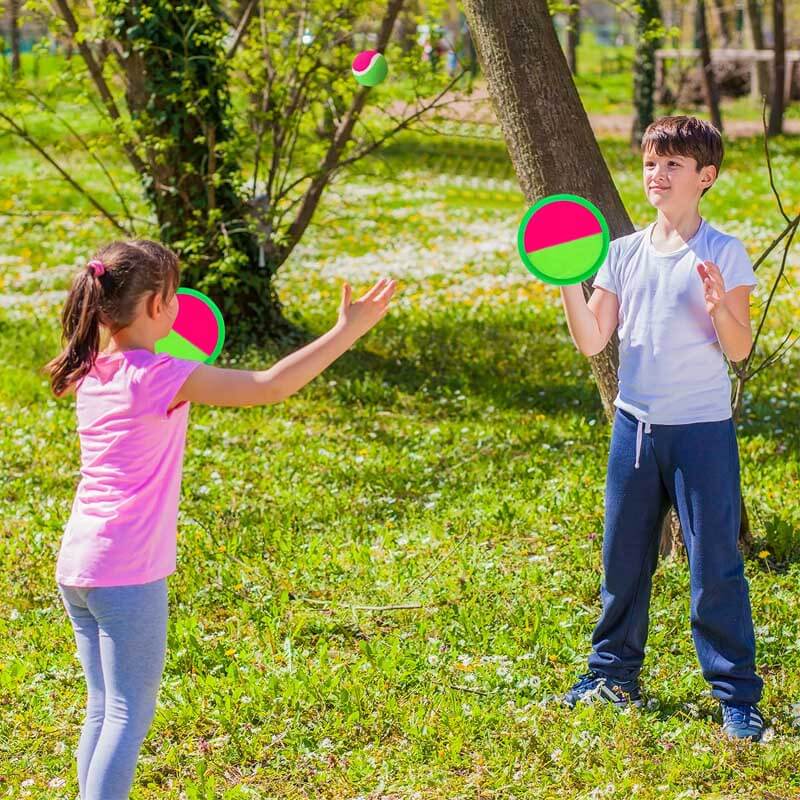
365,313
713,287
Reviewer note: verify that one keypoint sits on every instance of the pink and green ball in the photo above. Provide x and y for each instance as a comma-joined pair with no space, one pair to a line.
370,68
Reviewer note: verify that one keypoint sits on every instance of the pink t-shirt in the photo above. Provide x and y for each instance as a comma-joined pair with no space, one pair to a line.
123,527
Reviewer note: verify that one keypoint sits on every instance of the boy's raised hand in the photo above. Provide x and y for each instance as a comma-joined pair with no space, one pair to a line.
713,287
363,314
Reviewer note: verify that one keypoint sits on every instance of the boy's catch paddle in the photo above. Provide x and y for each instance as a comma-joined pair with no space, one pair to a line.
563,239
199,330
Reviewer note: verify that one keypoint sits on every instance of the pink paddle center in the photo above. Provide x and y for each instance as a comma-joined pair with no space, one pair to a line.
557,223
196,323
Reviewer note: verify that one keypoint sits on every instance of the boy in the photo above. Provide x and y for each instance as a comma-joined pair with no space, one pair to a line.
679,293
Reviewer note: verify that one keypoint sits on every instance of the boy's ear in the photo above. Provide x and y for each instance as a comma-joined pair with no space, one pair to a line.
708,175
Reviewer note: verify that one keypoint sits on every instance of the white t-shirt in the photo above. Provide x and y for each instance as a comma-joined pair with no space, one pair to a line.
671,367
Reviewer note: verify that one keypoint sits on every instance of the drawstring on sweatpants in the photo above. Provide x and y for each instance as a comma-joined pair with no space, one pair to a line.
639,426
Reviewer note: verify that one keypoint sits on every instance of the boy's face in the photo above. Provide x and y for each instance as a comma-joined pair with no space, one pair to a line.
673,182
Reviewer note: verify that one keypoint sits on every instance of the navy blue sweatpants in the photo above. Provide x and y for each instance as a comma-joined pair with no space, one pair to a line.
696,468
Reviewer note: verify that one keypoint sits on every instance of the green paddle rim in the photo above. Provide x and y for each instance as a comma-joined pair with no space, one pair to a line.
589,206
204,298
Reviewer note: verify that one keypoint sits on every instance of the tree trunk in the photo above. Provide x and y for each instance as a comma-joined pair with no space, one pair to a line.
760,72
547,132
775,127
573,36
13,24
725,20
707,71
644,69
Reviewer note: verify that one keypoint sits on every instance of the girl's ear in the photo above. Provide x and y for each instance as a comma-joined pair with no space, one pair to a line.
153,305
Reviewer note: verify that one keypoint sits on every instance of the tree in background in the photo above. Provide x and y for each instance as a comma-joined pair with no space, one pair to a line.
649,32
234,175
779,69
706,67
544,123
14,36
755,16
573,36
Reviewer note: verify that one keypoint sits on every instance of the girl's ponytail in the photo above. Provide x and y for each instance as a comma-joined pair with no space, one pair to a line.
80,322
107,293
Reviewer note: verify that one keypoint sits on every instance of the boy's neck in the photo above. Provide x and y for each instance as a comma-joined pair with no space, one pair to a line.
675,228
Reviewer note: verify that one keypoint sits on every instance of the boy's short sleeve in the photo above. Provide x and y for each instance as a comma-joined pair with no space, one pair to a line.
161,381
606,277
735,265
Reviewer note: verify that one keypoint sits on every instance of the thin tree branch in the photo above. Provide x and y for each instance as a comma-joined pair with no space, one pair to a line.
394,607
769,160
89,150
772,292
99,81
340,139
241,28
405,123
23,134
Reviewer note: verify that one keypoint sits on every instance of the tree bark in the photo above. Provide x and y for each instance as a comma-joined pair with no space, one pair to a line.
13,24
644,70
775,127
760,71
549,138
707,70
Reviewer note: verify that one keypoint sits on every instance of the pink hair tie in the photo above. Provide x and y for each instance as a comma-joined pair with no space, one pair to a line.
97,267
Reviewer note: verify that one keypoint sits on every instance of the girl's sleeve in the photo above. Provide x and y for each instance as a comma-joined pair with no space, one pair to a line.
162,381
735,265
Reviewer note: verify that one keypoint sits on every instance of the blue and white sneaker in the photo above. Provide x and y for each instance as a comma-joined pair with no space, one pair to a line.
742,720
593,686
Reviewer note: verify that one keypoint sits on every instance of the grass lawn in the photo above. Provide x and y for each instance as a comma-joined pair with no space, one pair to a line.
453,461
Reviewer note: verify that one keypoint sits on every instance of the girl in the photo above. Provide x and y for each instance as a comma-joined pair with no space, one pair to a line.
119,544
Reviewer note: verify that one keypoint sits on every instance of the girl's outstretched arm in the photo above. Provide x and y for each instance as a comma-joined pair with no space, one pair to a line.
217,386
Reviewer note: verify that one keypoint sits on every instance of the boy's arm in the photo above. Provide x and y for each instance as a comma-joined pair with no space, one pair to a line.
590,324
732,324
729,311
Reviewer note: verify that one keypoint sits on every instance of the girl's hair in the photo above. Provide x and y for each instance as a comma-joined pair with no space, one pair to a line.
107,293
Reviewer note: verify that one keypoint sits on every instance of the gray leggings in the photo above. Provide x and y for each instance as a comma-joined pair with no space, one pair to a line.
121,634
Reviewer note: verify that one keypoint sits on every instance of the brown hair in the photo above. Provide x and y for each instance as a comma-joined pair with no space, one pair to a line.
108,296
685,136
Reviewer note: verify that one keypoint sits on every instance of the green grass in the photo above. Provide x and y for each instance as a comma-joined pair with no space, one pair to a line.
454,460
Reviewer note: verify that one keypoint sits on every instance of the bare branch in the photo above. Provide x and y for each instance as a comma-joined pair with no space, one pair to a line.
763,257
241,28
769,159
99,81
402,125
23,134
776,355
90,151
395,607
340,139
376,143
773,290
